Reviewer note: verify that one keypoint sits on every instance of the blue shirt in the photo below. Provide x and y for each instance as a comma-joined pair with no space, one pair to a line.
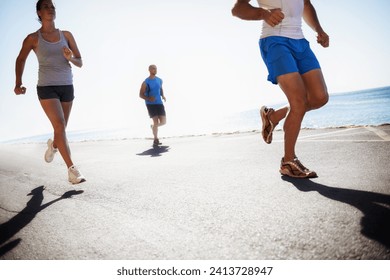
153,88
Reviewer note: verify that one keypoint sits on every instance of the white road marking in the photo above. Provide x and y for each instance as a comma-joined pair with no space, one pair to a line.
345,132
382,134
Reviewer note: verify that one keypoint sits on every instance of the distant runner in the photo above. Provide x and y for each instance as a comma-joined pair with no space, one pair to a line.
153,94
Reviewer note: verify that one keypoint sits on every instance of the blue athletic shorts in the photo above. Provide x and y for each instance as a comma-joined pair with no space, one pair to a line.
63,93
284,55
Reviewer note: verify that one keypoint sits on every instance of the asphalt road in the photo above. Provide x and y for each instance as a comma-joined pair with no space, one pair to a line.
204,197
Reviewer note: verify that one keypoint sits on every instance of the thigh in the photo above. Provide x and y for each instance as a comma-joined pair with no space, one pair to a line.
162,119
155,120
294,88
66,109
54,111
317,93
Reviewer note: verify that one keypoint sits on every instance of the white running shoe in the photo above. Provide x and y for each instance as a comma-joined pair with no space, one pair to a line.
75,177
50,152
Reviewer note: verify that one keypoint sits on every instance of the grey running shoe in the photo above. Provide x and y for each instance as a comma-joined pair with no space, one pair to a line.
50,152
75,177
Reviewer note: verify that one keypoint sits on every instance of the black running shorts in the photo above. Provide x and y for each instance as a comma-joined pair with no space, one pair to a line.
63,93
155,110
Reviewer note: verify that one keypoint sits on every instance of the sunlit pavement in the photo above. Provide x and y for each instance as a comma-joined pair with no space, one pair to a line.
201,197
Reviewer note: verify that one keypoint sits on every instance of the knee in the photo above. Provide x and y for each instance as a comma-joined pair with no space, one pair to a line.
59,126
319,102
298,108
323,100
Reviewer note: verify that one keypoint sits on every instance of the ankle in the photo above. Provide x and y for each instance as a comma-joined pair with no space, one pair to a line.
273,117
288,158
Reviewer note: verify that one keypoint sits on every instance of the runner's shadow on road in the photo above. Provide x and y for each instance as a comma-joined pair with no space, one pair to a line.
155,151
24,217
375,206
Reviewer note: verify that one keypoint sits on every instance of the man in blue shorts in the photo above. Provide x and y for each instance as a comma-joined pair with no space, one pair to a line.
292,65
153,94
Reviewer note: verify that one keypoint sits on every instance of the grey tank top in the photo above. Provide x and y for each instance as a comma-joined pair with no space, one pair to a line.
54,68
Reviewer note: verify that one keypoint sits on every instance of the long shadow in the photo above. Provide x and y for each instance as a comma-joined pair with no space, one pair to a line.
374,206
156,151
24,217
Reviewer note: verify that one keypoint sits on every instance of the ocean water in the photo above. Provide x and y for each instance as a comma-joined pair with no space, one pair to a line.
365,107
369,107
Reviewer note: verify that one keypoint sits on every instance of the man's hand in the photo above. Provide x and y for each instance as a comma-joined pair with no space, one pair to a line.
323,39
274,17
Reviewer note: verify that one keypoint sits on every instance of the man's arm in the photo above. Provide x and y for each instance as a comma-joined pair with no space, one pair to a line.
142,93
243,10
310,17
162,94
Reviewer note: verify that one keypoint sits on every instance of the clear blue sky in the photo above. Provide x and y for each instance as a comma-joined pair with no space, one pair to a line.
209,60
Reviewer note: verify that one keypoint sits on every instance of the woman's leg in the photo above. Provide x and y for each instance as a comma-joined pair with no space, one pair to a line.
58,114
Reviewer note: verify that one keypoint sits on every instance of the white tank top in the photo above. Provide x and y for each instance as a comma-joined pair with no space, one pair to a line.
291,26
54,68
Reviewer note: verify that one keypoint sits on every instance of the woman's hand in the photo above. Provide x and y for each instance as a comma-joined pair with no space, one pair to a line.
68,54
19,89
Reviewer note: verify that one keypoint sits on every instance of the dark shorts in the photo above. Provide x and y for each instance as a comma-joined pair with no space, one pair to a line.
284,55
155,110
63,93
